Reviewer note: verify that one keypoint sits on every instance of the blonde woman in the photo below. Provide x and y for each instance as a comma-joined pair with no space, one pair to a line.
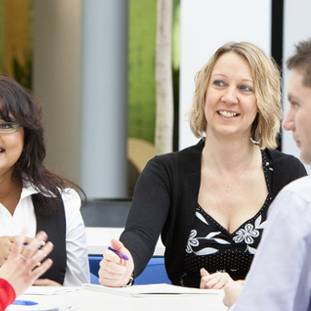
210,201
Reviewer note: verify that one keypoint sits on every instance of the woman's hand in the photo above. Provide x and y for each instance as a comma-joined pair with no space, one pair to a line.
25,263
6,245
217,280
115,271
232,293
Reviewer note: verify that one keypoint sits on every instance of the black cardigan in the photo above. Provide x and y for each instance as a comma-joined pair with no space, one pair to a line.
165,199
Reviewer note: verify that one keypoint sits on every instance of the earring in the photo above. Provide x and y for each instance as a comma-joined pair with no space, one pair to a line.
254,141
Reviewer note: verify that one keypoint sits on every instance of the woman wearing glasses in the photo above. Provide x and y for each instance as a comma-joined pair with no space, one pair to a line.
32,198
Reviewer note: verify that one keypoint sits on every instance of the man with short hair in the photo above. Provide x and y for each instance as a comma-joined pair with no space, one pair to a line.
280,276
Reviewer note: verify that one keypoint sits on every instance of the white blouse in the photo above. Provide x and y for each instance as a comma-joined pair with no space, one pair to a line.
23,222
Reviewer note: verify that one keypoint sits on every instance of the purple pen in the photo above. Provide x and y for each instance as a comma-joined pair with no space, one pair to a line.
121,255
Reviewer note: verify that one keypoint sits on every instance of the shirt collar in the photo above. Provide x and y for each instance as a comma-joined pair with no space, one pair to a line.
28,190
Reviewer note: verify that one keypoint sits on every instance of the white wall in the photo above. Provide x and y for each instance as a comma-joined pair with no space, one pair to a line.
297,26
80,77
104,98
56,73
207,24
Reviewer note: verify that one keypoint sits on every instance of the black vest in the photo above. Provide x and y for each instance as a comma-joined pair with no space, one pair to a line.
54,224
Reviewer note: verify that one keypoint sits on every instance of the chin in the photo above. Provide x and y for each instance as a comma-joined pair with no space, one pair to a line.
305,157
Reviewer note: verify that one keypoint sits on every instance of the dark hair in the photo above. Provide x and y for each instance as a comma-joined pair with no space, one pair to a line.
16,104
301,60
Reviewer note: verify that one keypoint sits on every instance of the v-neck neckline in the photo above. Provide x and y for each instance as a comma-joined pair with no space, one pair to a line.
250,220
265,165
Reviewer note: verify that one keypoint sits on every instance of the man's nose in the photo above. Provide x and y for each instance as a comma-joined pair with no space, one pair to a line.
288,123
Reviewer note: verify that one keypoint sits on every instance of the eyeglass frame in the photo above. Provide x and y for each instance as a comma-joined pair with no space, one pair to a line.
15,127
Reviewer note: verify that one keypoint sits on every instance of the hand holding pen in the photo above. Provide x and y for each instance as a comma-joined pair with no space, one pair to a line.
117,266
120,254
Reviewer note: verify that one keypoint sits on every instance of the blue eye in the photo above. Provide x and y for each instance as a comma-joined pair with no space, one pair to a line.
219,83
246,88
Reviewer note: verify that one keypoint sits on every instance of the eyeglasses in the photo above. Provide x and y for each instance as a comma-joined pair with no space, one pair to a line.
8,127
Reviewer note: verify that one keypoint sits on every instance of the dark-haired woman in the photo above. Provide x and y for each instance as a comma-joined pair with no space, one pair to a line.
31,197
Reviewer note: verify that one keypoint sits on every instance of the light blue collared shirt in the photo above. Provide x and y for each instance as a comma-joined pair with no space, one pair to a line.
280,276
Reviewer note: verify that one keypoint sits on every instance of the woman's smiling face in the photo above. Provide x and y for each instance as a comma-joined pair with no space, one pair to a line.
230,101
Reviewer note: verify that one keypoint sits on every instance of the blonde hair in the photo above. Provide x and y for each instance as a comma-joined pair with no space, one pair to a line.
267,90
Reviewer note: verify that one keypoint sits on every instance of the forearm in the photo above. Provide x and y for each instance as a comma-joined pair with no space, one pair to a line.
148,214
141,247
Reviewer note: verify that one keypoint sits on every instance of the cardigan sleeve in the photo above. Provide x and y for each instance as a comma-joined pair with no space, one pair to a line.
148,213
7,294
297,169
287,169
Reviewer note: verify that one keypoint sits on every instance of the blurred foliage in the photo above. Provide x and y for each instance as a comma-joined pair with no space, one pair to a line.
22,72
141,76
15,40
1,35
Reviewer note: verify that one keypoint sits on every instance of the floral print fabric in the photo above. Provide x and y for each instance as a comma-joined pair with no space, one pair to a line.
211,246
246,234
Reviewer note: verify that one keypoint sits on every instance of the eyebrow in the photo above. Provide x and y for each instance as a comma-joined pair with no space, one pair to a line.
220,74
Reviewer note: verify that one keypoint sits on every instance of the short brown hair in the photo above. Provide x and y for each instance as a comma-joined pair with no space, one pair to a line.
301,60
266,78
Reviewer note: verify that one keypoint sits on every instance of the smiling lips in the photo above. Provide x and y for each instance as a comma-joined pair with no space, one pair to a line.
227,114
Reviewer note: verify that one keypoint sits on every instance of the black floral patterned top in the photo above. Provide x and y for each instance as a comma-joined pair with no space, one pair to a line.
211,246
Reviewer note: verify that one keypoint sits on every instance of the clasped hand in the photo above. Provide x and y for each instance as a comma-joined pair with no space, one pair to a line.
222,280
217,280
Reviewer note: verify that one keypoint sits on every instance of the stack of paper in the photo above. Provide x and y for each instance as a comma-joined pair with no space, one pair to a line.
151,289
44,298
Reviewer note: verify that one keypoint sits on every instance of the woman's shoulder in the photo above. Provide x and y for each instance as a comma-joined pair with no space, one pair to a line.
71,198
281,158
189,153
286,165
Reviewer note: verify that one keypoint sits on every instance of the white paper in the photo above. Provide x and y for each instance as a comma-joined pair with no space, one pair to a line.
150,289
50,290
47,298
